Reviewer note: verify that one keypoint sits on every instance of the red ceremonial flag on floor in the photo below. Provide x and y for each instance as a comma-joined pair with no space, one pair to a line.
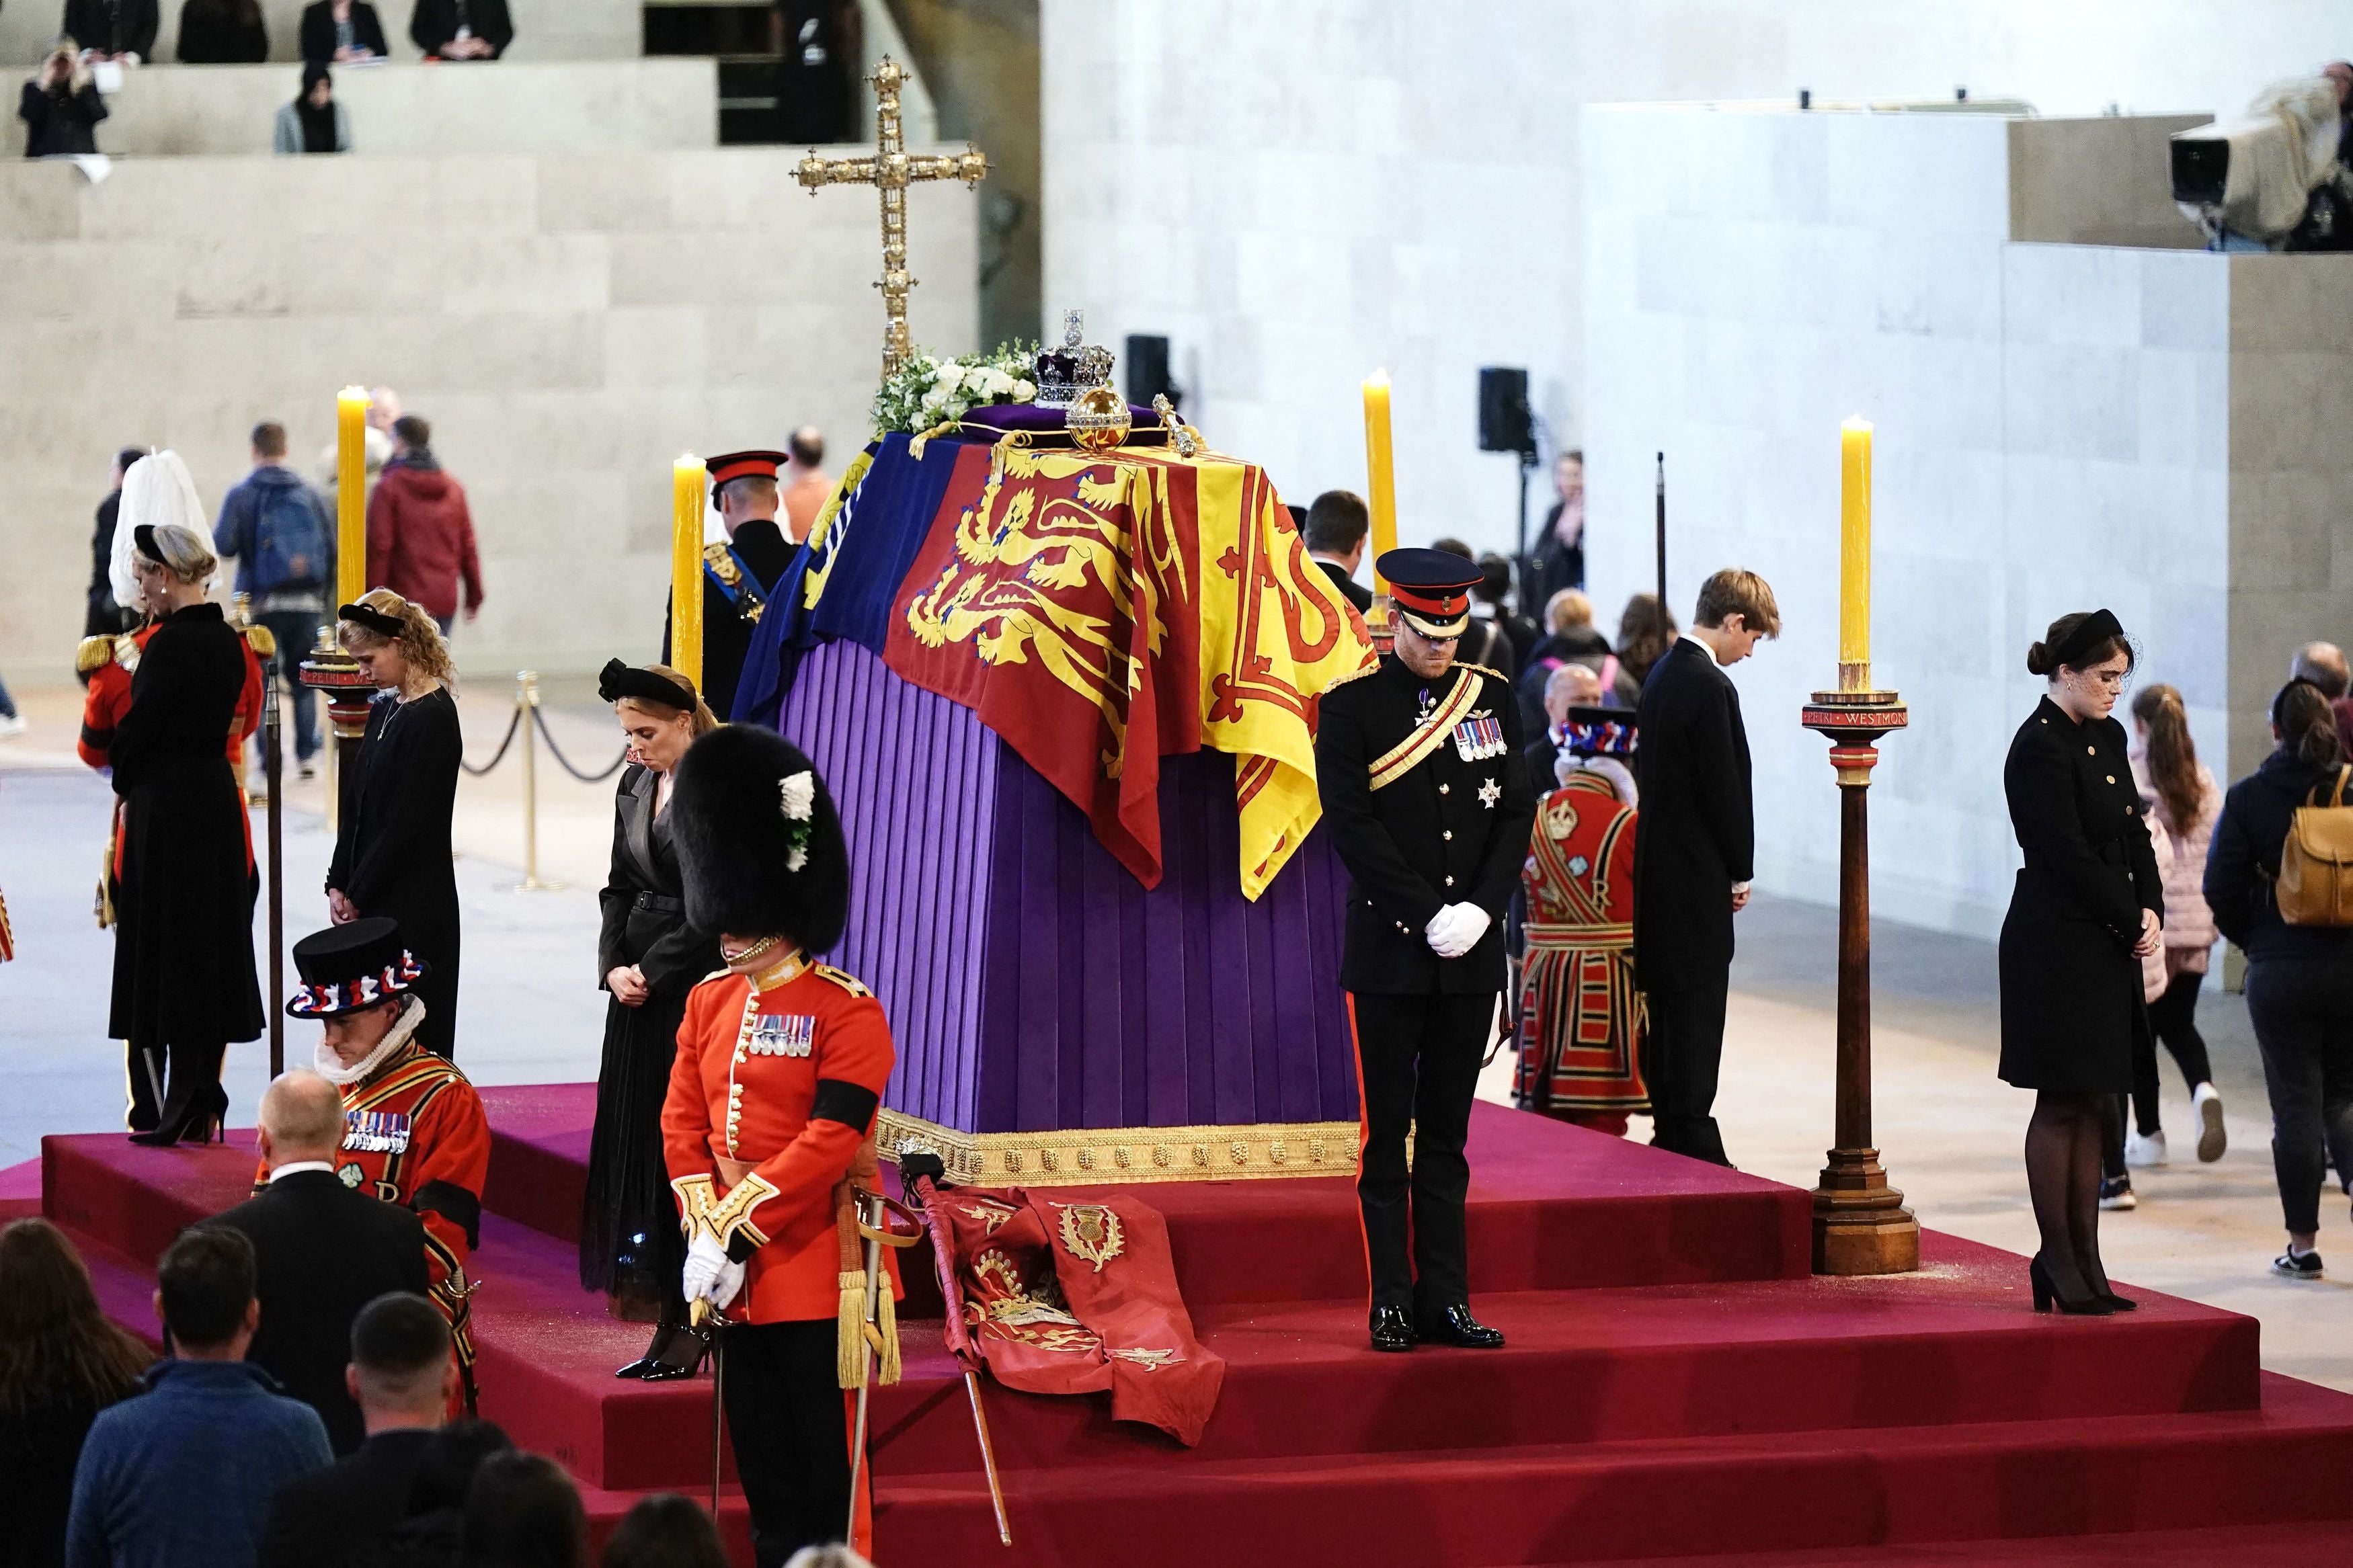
1076,1297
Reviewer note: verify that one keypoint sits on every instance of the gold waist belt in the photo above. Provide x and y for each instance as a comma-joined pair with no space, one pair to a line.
1588,939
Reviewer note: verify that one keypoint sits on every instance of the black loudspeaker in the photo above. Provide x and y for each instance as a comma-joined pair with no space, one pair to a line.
1147,371
1503,422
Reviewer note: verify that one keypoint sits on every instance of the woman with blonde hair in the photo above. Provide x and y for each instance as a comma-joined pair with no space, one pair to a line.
392,851
648,956
2183,803
184,978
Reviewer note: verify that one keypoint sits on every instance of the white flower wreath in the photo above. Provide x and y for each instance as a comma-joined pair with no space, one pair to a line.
796,794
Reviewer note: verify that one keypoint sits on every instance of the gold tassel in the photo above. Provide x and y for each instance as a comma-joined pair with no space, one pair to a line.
886,1324
915,446
850,1330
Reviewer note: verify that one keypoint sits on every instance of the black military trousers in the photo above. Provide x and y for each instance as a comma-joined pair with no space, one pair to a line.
1682,1050
791,1433
1418,1060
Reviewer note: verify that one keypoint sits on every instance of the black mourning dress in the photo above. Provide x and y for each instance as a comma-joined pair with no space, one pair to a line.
2070,988
392,854
629,1239
184,976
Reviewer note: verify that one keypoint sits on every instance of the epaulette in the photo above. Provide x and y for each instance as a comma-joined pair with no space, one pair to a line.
715,974
262,641
1358,673
94,654
126,653
722,561
841,977
1483,669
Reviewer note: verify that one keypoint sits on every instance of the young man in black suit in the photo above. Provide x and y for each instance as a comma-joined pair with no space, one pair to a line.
1336,526
323,1251
404,1378
1694,852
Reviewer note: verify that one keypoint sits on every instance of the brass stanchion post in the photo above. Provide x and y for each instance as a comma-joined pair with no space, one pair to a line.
527,705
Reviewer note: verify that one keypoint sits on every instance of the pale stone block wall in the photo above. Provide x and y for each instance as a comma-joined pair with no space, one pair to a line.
544,29
518,107
2059,427
569,323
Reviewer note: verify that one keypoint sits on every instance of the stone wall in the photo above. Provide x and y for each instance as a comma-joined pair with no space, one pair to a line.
2059,427
571,107
570,323
1299,192
544,29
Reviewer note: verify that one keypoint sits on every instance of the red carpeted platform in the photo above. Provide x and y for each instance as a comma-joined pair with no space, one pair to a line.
1677,1383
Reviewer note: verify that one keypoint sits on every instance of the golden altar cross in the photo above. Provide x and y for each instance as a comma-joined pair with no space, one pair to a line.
892,170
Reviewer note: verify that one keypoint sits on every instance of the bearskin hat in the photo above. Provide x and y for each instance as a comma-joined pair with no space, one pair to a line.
759,844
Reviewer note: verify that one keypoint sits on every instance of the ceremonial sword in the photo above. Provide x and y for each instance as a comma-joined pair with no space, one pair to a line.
705,1319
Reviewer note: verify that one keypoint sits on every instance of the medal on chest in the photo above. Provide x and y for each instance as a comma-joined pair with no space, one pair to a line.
782,1035
376,1132
1479,737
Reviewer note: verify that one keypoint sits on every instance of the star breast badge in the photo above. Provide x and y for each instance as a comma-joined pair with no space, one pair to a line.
1490,792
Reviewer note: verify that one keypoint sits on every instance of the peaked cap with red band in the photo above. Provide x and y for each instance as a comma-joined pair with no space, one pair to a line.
754,465
1431,588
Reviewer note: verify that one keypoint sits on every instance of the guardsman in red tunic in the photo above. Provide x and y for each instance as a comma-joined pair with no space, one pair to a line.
109,662
1580,1015
413,1131
768,1126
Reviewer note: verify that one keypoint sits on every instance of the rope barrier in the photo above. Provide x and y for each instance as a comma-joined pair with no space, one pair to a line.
498,756
540,720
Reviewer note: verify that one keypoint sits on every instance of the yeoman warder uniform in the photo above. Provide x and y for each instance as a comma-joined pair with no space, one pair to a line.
414,1131
769,1121
738,575
1427,803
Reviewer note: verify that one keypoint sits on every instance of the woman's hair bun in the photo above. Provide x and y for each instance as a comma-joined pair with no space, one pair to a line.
2038,659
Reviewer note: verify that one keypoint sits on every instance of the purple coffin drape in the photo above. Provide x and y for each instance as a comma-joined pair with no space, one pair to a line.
1033,985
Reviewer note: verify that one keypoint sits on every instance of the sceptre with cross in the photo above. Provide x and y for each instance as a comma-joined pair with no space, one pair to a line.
892,170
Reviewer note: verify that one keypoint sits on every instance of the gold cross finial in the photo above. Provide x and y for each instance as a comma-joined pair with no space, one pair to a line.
892,170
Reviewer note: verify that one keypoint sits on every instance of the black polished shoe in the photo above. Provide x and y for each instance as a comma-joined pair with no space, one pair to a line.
1392,1329
1455,1326
663,1333
681,1357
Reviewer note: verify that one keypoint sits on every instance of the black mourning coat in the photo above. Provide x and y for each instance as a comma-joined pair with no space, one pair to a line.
208,37
645,924
1696,834
1449,832
114,26
2070,988
322,1252
433,23
1355,592
341,1514
392,850
318,30
184,947
726,629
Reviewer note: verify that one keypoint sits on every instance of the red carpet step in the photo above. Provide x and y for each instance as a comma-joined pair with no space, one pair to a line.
1676,1383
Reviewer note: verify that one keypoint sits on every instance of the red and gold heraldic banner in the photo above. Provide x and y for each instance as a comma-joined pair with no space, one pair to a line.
1076,1298
1102,611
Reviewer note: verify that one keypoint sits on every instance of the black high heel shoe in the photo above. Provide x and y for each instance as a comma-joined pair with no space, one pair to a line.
2119,1303
682,1356
663,1334
192,1125
2046,1295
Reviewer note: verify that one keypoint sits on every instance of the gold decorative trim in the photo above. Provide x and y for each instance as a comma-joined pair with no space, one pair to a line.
1105,1156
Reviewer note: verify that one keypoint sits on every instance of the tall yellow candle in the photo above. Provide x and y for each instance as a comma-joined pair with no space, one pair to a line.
1854,554
350,494
1381,493
687,507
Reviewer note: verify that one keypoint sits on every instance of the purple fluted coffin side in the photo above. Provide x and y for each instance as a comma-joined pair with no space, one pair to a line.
1032,984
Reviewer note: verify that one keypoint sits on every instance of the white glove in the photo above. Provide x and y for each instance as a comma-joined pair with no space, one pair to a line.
706,1260
729,1283
1456,930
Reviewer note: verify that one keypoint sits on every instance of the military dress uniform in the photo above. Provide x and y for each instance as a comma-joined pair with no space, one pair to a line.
738,575
415,1133
1427,803
767,1126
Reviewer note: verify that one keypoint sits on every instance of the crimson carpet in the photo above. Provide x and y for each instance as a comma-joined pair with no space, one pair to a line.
1677,1385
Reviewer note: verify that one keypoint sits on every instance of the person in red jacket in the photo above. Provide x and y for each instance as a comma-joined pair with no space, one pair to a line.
420,537
768,1128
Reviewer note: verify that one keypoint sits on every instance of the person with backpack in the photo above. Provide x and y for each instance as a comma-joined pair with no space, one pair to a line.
2279,885
283,538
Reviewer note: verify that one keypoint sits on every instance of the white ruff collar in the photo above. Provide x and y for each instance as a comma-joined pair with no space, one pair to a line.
330,1068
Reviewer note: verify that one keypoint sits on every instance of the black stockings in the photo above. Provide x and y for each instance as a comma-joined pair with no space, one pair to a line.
2063,1175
